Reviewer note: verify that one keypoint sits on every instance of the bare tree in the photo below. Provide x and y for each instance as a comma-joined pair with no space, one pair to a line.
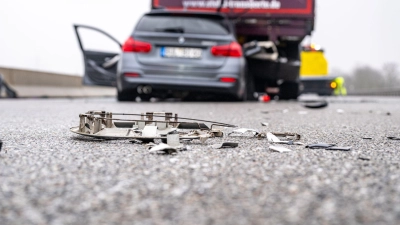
392,75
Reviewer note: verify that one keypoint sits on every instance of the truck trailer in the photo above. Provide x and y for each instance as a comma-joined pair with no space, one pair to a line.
270,32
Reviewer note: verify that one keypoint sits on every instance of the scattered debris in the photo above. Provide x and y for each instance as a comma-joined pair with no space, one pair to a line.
244,130
264,98
303,112
163,149
225,145
270,111
365,158
319,146
279,148
367,138
340,111
335,148
292,136
272,138
1,145
102,124
394,138
264,124
318,104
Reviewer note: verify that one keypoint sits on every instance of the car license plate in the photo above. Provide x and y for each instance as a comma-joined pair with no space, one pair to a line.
178,52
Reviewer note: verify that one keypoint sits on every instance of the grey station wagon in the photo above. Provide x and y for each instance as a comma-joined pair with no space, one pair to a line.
171,54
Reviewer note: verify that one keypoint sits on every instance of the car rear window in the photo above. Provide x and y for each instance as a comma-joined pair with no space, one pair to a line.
183,24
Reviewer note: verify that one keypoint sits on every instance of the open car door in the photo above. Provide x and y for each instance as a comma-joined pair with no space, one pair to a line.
100,66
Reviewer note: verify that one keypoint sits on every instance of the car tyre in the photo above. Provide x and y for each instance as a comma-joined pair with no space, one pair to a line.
124,96
289,90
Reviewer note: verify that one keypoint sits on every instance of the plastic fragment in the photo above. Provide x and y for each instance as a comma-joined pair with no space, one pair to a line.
163,149
1,145
264,98
244,130
293,136
290,142
335,148
149,131
264,124
367,138
225,145
203,138
340,111
279,149
319,145
272,138
315,104
394,138
365,158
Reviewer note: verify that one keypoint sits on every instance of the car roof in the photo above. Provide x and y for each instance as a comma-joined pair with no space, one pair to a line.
187,13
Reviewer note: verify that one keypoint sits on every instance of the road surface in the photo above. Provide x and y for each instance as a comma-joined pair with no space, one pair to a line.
52,176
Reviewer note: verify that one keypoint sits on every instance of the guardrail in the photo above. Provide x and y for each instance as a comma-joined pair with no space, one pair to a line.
9,92
377,92
28,84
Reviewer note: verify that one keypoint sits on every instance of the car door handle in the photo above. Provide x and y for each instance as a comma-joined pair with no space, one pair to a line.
110,62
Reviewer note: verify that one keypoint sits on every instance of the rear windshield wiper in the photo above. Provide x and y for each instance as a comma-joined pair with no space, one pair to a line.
171,29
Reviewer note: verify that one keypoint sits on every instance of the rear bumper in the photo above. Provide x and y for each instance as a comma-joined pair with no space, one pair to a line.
169,85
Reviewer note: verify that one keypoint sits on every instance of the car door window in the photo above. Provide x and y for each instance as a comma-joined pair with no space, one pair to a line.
97,42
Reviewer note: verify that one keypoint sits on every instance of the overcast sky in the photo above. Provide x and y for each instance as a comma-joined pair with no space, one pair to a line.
38,34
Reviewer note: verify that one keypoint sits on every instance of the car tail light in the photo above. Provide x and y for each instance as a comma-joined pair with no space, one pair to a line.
231,50
227,79
131,75
132,45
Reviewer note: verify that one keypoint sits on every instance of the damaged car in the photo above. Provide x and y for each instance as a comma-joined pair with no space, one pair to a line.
171,54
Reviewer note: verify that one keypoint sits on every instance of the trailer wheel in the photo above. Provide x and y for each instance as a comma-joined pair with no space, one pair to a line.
289,90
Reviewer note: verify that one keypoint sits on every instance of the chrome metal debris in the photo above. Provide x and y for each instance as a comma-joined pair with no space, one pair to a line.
279,148
288,135
319,146
336,148
102,124
272,138
225,145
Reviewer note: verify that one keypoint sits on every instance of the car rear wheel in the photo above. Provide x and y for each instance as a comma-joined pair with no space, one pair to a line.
124,96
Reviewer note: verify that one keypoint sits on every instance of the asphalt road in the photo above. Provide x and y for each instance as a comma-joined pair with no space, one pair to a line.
49,175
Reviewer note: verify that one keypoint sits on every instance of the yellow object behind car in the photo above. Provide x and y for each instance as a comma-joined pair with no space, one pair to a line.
313,63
